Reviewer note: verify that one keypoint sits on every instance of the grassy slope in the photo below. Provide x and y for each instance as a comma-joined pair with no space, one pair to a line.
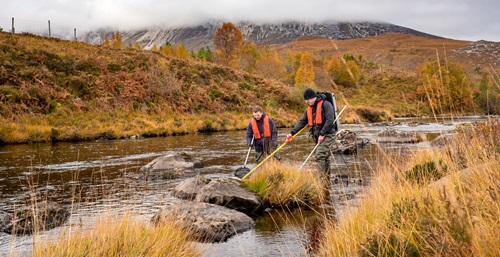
54,90
391,86
401,52
59,90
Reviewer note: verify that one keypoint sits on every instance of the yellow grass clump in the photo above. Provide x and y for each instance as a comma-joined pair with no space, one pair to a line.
284,185
124,236
432,203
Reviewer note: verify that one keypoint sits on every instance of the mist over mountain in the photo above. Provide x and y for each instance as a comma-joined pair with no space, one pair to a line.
195,37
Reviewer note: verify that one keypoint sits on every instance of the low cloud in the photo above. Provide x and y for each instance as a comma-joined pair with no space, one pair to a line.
457,19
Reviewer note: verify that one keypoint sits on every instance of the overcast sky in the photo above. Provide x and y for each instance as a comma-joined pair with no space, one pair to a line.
457,19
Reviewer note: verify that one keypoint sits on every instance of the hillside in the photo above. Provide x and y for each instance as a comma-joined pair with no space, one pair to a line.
77,91
45,73
405,52
56,90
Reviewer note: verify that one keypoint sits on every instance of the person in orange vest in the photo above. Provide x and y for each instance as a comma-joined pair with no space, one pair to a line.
319,116
264,133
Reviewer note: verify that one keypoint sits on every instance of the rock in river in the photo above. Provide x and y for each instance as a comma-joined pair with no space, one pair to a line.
171,166
28,219
207,222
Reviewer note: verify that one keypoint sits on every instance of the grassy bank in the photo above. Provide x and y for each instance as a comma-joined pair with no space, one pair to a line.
84,126
121,236
56,90
433,203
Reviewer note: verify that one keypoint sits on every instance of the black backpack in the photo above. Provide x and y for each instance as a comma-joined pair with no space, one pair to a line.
330,97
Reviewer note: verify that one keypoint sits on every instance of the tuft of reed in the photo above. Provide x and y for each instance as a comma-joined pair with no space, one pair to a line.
284,185
432,203
121,236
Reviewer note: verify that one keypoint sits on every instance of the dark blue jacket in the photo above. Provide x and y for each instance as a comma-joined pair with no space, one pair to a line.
259,143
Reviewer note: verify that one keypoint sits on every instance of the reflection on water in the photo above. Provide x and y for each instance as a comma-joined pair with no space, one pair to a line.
92,177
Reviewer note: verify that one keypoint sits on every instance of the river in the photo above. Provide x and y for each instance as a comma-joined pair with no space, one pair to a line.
104,176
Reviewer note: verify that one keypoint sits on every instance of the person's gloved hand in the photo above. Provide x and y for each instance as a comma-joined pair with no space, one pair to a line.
250,145
274,145
289,138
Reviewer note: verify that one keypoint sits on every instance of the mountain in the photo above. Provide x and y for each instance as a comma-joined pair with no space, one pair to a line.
199,36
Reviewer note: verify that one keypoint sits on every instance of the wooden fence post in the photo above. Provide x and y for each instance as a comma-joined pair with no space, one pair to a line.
13,29
49,29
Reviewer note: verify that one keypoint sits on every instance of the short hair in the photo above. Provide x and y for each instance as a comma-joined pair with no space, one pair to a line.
256,108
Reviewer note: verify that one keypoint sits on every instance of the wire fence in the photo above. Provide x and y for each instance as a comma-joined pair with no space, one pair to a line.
46,29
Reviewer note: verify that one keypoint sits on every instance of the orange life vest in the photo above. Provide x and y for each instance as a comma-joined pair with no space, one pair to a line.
255,128
319,114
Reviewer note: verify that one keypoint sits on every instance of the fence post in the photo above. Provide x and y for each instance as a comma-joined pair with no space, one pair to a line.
75,34
13,29
49,29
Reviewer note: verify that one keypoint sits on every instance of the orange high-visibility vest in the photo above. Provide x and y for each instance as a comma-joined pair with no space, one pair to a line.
319,114
255,128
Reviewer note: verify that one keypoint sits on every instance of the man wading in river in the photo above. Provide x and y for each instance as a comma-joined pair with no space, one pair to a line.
320,116
264,133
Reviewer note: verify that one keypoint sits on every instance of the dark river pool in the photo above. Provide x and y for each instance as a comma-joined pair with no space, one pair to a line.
104,176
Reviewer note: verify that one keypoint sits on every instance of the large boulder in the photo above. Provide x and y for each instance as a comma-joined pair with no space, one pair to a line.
230,193
442,140
171,166
189,188
28,219
391,135
347,142
206,222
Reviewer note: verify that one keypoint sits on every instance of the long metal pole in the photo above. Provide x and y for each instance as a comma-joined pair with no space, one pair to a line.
269,156
248,154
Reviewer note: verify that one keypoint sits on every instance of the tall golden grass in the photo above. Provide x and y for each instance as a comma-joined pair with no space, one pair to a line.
121,236
284,185
432,203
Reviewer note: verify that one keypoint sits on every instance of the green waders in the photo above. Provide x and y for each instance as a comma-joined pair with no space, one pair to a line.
322,156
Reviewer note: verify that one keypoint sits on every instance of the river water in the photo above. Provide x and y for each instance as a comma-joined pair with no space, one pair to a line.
97,177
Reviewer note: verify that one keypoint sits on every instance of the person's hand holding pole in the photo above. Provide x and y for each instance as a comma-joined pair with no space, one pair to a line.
320,139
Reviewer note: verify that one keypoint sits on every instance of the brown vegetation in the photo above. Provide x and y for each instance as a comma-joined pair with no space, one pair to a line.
432,203
50,87
54,90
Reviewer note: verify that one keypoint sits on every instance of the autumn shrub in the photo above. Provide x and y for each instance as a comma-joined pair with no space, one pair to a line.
9,94
446,87
488,96
305,71
296,97
343,72
372,115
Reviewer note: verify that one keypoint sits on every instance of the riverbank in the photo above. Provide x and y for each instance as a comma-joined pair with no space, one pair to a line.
87,126
437,202
65,125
